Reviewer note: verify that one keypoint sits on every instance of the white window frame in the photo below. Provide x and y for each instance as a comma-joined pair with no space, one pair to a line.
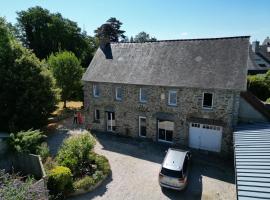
165,141
95,114
169,98
141,117
212,102
116,94
142,101
95,86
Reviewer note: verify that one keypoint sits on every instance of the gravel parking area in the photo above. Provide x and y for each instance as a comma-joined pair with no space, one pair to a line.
135,166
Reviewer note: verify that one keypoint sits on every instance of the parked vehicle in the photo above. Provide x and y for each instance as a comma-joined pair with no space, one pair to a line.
175,169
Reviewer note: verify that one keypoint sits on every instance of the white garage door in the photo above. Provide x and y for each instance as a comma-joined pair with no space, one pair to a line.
205,136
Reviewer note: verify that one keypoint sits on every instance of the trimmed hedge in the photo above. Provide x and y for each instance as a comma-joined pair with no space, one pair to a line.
60,180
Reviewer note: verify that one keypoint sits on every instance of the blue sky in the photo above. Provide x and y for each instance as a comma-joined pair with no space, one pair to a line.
164,19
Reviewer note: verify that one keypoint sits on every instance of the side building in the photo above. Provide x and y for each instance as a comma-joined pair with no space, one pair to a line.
183,92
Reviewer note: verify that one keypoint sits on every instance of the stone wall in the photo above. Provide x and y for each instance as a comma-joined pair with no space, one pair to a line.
189,106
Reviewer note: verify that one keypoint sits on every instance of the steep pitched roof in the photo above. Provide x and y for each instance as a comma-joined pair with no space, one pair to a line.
218,63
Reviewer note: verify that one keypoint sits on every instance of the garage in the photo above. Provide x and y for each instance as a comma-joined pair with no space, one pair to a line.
205,136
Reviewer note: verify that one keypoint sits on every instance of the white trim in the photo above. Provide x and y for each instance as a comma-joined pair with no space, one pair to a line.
141,117
169,97
143,101
94,90
116,94
159,140
212,102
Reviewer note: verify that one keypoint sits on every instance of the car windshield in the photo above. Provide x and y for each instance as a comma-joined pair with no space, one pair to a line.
171,173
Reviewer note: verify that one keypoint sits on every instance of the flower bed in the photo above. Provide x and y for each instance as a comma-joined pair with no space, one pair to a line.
76,168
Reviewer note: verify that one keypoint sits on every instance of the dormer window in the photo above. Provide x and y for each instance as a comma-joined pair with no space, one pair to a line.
207,100
96,90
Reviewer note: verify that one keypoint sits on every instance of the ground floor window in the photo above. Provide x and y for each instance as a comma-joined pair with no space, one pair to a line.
142,126
96,115
165,130
111,121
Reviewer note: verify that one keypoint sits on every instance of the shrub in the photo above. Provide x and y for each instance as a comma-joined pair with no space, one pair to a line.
74,152
26,141
258,85
60,180
84,183
43,151
102,164
49,164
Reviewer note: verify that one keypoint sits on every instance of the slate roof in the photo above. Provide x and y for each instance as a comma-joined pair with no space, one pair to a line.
217,63
252,161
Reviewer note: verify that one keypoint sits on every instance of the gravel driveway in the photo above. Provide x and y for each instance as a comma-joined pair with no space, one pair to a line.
135,166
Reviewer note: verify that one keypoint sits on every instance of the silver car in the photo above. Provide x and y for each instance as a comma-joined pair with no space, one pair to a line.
175,168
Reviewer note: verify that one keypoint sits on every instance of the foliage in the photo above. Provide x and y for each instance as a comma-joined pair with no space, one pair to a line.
110,31
67,70
28,93
84,183
43,151
60,180
26,141
12,187
46,32
74,153
102,164
49,164
143,37
259,86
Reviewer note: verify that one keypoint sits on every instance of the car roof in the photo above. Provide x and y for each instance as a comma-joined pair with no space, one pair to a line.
174,159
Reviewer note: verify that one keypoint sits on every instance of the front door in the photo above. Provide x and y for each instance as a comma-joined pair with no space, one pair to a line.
142,126
111,121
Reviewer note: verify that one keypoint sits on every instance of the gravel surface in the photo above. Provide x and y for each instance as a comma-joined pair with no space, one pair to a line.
135,166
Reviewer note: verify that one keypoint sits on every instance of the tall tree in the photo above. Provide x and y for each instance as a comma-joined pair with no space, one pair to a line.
46,33
67,70
110,31
144,37
27,89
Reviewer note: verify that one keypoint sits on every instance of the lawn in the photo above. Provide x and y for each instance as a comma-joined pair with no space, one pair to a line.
71,105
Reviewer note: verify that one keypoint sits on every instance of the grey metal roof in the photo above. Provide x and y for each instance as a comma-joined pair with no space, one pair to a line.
252,161
218,63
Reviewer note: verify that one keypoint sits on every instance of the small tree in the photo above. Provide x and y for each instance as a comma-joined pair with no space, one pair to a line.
144,37
67,70
259,86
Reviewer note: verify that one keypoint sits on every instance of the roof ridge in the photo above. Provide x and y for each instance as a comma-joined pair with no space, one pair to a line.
194,39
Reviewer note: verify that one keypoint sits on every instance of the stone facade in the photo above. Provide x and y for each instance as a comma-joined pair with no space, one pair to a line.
189,109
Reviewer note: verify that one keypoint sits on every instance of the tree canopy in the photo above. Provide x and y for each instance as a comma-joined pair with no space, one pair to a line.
27,89
67,70
46,33
110,31
143,37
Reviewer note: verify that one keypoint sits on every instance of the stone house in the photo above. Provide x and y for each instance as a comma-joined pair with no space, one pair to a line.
184,92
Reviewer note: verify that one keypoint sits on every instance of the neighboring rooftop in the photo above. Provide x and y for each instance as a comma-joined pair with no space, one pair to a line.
216,63
252,166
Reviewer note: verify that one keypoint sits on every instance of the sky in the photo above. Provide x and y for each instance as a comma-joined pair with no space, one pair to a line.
163,19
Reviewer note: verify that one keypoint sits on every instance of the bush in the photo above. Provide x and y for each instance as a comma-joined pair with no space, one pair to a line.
49,164
102,164
84,183
43,151
74,152
60,180
258,85
26,141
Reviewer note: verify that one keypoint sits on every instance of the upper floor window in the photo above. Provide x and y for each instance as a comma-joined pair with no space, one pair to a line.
172,98
207,100
118,93
143,95
96,90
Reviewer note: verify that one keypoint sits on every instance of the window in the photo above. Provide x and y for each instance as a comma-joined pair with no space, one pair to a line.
207,100
143,95
96,115
142,126
118,93
96,91
165,130
172,98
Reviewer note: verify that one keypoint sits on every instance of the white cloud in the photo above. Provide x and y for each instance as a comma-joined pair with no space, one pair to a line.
184,34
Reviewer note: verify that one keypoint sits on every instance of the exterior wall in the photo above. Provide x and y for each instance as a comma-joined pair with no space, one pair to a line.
249,114
189,105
